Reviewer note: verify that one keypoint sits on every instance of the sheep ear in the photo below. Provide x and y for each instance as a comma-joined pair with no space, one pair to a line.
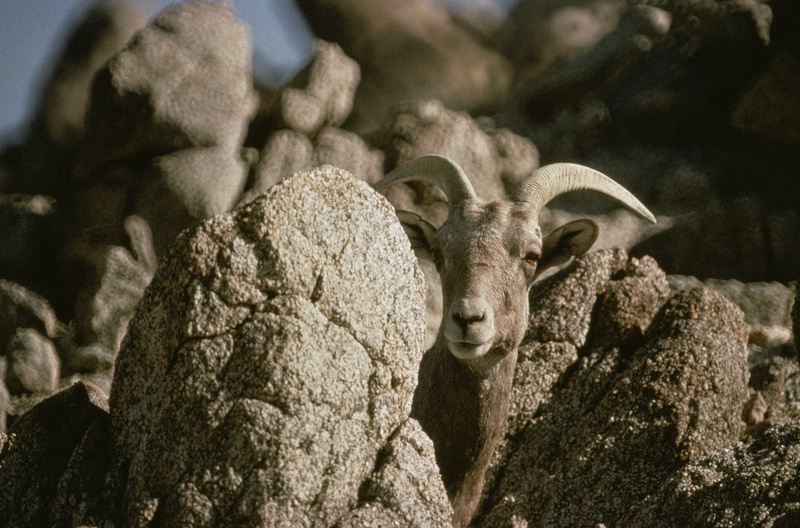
421,234
570,240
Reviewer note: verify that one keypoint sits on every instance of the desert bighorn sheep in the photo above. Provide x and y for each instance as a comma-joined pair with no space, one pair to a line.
487,254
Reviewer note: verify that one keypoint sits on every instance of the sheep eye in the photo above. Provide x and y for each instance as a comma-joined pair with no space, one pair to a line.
532,258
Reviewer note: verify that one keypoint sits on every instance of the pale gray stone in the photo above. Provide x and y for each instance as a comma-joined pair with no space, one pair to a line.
271,360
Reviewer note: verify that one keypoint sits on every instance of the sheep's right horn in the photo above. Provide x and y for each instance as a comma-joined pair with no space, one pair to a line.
438,170
549,181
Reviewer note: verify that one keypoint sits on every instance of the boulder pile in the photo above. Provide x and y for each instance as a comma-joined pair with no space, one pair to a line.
209,318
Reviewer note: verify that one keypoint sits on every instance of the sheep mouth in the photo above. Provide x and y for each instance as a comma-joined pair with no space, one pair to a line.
467,350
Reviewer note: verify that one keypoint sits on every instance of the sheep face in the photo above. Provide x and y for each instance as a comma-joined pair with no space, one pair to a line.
489,253
486,255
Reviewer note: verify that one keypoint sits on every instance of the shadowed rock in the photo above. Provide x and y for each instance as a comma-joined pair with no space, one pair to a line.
747,485
173,108
54,460
408,50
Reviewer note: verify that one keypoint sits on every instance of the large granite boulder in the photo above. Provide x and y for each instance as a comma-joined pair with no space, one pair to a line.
271,362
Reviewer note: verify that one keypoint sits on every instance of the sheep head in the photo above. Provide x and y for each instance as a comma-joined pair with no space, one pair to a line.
489,253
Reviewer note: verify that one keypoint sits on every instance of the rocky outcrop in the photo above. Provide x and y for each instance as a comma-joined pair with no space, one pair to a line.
747,485
269,363
177,102
745,239
796,321
494,159
653,387
42,162
268,368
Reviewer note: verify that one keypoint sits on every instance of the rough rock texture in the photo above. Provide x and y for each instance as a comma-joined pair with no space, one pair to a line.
767,306
106,304
796,320
681,101
771,108
408,50
53,462
402,486
300,123
746,485
269,363
563,30
285,153
21,308
26,224
635,406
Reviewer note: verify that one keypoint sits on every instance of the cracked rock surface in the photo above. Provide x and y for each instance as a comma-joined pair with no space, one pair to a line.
270,361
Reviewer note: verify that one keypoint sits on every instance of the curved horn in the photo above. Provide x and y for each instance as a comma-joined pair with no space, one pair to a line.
549,181
438,170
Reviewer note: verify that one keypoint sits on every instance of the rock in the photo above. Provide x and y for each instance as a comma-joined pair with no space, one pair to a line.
167,123
626,307
606,430
406,488
796,320
321,95
562,305
33,365
288,152
183,82
21,308
771,109
26,224
539,367
347,151
617,306
106,304
561,32
103,31
270,361
744,239
5,398
90,359
746,485
518,157
408,50
42,163
54,459
285,153
427,127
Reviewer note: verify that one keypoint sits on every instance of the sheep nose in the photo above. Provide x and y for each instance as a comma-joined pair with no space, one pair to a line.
466,312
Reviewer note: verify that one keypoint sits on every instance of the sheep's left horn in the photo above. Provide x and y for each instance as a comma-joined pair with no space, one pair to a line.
438,170
547,182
